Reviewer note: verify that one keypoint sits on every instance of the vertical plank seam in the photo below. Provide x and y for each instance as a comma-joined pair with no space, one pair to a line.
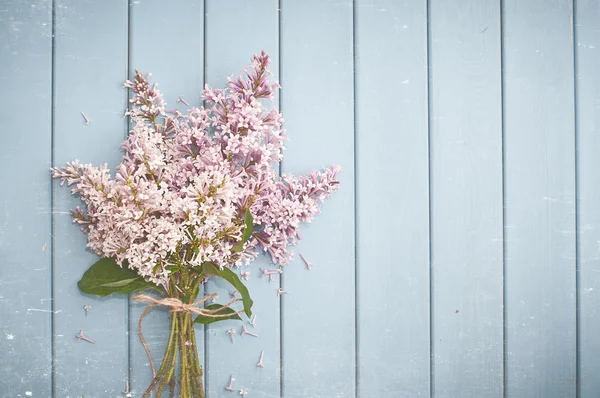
356,264
503,132
429,118
205,327
280,102
52,185
127,123
576,166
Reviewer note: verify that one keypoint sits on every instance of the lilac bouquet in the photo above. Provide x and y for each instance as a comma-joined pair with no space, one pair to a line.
195,196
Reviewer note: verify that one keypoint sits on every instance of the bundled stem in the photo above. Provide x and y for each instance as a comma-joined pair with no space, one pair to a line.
180,295
182,345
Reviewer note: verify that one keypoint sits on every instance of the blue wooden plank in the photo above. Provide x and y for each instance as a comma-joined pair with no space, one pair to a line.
587,28
226,55
466,199
539,198
25,216
318,313
167,41
89,72
392,207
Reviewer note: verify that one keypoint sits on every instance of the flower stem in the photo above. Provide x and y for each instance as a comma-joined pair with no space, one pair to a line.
182,343
183,358
168,363
191,371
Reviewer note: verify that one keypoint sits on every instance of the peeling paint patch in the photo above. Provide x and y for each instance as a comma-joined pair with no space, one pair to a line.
41,310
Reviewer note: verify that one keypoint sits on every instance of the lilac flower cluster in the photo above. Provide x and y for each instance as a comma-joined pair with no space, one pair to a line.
180,194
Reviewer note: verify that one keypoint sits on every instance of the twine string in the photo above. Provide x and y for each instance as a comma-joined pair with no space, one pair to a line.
177,306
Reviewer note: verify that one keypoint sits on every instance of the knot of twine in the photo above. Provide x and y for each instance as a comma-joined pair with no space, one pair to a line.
177,306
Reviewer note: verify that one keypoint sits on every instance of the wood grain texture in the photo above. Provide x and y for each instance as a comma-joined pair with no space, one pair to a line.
25,198
587,35
318,325
227,55
466,198
89,73
539,199
167,41
392,198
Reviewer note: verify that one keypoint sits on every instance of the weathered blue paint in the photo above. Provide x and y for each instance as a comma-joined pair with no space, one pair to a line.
392,198
25,198
466,198
587,44
539,180
88,67
318,327
456,109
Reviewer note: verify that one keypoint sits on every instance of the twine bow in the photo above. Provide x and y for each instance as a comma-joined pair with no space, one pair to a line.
175,306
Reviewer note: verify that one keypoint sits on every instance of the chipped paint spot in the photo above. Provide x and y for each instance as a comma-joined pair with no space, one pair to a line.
9,336
40,310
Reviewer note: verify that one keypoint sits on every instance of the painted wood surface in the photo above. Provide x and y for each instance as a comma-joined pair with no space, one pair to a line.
458,259
84,63
318,313
25,214
392,192
539,181
466,198
587,100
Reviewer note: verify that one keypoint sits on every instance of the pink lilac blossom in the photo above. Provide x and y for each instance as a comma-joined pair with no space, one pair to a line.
180,193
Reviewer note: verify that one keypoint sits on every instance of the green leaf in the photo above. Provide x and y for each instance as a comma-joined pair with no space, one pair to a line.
248,230
106,277
231,277
248,226
119,283
205,320
173,268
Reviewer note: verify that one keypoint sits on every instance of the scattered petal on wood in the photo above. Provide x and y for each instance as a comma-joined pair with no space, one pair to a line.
260,361
230,386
